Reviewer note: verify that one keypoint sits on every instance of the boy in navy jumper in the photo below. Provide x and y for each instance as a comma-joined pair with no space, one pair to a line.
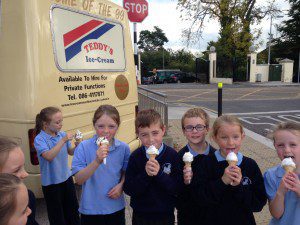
152,183
195,127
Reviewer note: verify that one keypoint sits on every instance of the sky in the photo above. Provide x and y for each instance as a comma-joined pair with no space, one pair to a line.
163,13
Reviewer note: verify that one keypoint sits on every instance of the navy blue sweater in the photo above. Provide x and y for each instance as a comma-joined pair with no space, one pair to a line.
187,209
226,204
153,196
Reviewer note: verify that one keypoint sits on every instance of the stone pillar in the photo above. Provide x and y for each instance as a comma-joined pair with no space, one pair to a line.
253,58
287,70
212,65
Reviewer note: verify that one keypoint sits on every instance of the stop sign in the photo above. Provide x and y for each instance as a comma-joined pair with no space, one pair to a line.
137,10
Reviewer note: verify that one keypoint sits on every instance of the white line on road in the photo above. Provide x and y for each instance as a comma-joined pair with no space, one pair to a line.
261,113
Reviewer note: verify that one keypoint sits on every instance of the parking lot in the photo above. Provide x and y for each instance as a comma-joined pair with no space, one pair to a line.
259,106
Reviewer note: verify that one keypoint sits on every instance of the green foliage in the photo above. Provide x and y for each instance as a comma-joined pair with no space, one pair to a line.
235,18
288,44
152,40
152,56
180,59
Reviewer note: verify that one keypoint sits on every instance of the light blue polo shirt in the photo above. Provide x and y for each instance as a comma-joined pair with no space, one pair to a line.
94,197
56,171
291,215
221,158
194,153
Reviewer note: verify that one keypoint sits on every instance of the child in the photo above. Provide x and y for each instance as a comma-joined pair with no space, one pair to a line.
53,147
102,200
152,184
14,208
195,126
228,194
283,188
12,161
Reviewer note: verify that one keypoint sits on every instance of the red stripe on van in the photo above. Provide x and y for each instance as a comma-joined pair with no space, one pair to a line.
80,31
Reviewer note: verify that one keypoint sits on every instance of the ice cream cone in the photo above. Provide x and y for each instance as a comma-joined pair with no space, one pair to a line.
289,168
288,164
78,136
78,139
188,164
152,156
232,163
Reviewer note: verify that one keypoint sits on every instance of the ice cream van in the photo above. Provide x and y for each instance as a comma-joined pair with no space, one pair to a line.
72,54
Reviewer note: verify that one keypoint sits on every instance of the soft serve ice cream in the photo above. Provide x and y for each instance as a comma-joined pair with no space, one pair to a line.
188,159
78,136
152,151
102,141
288,164
232,159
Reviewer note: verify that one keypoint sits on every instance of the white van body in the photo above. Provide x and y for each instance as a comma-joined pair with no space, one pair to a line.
72,54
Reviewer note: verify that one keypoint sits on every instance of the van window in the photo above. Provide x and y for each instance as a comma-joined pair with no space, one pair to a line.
78,42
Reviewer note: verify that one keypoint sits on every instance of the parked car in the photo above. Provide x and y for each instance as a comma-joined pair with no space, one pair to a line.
182,77
163,76
148,79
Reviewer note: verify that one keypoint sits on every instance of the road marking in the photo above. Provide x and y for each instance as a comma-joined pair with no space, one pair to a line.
193,96
294,116
261,113
257,137
248,94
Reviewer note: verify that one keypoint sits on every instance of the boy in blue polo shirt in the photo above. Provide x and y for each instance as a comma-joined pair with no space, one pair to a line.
283,188
102,200
152,183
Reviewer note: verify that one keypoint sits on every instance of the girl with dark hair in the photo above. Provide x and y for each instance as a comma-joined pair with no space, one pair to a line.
53,147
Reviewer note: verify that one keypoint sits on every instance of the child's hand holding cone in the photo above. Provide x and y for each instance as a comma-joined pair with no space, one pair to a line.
232,174
102,151
187,170
152,166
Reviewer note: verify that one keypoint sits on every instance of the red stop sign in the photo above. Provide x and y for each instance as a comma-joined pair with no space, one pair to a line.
137,10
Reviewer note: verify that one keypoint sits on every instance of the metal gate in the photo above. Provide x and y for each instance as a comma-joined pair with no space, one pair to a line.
275,72
202,70
235,68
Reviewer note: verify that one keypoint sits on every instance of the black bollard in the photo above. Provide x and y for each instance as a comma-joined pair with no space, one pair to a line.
220,86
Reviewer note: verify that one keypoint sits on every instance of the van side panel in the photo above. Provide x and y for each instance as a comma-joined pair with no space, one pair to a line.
31,80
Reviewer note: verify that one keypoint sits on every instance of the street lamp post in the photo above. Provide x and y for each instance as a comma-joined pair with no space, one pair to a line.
270,38
163,58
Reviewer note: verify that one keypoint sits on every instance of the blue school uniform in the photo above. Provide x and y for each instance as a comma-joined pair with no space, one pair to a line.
56,171
94,199
291,215
57,183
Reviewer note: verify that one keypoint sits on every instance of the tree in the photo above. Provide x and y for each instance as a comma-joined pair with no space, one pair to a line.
152,40
288,44
235,18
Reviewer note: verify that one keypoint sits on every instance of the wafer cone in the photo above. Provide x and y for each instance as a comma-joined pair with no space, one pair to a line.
188,164
78,139
289,168
232,163
152,156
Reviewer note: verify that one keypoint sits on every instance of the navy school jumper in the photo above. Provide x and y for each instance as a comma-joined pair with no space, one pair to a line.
187,209
226,204
153,196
